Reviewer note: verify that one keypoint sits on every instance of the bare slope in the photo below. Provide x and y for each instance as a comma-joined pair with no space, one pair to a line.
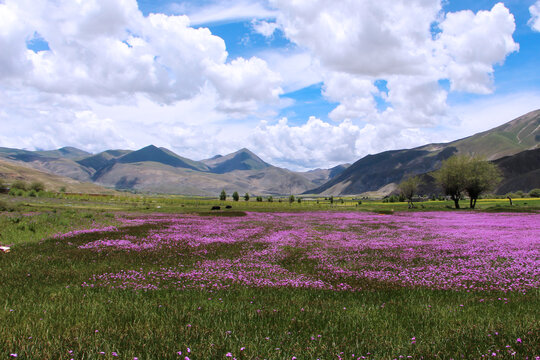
12,170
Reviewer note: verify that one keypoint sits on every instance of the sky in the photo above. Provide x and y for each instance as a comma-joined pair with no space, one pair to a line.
302,83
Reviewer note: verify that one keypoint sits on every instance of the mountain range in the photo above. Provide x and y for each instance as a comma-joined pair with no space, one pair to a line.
159,170
514,147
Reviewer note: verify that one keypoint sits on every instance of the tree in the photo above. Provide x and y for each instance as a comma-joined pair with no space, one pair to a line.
291,199
259,199
246,197
223,195
270,199
331,199
299,199
481,176
451,177
409,188
462,173
235,196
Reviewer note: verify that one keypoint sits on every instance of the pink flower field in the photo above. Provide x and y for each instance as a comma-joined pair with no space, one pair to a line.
461,251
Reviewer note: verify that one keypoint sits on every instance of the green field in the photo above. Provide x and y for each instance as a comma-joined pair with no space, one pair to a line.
47,313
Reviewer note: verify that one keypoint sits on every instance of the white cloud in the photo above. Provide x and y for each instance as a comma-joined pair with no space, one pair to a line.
108,49
363,37
535,16
318,143
264,28
355,95
474,43
364,41
13,35
225,11
298,69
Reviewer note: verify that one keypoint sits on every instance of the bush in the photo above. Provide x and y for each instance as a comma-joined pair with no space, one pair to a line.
235,196
534,193
4,206
20,185
259,199
32,193
16,192
37,186
270,199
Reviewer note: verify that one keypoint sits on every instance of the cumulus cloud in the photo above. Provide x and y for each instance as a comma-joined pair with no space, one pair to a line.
363,37
318,143
355,95
361,41
535,16
474,43
102,48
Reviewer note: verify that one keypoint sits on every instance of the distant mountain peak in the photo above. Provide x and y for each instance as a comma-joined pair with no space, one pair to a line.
163,156
243,159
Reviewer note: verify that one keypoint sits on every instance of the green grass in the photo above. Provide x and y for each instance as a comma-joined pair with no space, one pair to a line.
45,313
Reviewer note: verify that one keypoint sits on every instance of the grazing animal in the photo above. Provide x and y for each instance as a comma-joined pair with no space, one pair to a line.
216,207
228,207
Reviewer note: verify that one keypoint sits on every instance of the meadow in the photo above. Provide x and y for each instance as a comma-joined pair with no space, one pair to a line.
131,277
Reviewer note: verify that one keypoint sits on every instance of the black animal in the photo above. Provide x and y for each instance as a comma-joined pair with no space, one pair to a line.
216,207
228,207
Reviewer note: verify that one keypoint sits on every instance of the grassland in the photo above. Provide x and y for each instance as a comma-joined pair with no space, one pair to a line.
66,296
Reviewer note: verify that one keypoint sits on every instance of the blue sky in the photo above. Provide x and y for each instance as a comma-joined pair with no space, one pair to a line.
303,86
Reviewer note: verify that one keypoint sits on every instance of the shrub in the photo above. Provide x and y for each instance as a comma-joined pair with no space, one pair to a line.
246,197
259,199
20,185
37,186
270,199
291,199
223,195
32,193
235,196
534,193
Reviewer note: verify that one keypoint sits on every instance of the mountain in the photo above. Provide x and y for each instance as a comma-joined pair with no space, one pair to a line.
321,176
102,159
51,161
67,152
163,156
382,172
241,160
520,172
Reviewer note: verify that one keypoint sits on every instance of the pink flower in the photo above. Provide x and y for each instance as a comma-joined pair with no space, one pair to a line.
518,340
